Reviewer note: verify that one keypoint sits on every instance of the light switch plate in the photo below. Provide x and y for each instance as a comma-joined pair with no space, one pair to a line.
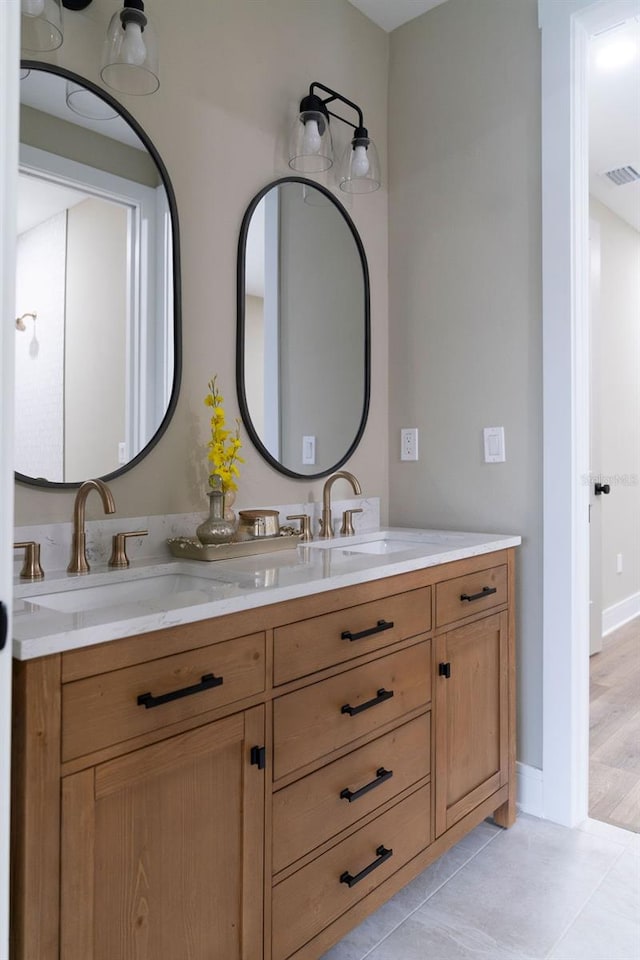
494,451
308,450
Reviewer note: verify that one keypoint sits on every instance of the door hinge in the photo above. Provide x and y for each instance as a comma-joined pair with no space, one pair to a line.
259,757
444,670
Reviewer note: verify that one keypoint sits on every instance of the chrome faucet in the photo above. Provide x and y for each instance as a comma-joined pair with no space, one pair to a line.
326,524
79,562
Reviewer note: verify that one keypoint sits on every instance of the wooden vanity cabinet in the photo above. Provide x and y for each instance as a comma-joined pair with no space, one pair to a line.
161,849
356,736
471,712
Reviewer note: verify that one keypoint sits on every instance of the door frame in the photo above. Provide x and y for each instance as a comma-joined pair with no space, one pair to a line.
565,27
9,62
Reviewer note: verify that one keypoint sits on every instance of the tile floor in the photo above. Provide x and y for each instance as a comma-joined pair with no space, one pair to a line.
533,892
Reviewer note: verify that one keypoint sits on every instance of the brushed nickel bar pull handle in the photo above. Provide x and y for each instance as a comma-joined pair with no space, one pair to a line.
382,695
379,628
382,855
381,777
208,681
485,592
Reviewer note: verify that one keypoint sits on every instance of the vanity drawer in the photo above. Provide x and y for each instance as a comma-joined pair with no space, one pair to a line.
316,808
473,593
318,719
308,900
306,646
103,710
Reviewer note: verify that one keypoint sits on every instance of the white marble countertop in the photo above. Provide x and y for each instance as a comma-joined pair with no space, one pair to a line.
168,592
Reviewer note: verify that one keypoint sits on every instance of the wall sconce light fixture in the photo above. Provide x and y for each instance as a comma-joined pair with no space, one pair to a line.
21,325
130,54
41,26
130,51
87,104
34,346
311,146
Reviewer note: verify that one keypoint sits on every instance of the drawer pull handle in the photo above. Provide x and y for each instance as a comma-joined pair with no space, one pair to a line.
485,592
380,627
381,696
208,681
382,854
382,776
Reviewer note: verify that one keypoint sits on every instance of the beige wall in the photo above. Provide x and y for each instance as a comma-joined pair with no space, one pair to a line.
230,87
465,290
617,364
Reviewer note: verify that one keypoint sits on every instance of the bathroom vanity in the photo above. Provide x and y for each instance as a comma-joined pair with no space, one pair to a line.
251,782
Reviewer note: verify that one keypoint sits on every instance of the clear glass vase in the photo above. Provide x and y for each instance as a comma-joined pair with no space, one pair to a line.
216,528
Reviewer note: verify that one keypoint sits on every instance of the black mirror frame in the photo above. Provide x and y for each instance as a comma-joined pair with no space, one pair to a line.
240,334
177,295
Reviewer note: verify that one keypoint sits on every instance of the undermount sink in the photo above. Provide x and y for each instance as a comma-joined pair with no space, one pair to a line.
380,546
79,597
382,542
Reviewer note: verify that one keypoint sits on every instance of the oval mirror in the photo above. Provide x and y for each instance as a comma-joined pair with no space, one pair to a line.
97,285
303,348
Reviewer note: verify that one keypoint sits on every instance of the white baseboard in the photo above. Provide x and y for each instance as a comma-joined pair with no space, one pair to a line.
620,613
529,792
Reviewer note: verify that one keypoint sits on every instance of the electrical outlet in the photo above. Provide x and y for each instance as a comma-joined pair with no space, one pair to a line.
122,452
619,563
409,443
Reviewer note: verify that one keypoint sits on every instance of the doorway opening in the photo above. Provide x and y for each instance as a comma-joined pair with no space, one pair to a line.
613,96
567,26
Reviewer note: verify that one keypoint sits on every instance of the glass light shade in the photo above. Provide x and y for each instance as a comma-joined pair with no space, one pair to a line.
360,167
87,104
310,143
315,198
41,25
130,55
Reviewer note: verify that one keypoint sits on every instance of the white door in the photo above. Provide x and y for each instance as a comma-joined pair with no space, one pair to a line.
9,53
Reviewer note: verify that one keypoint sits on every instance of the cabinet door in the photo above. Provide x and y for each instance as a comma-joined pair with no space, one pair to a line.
471,717
162,850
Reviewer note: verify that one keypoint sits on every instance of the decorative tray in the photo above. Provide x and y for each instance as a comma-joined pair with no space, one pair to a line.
190,548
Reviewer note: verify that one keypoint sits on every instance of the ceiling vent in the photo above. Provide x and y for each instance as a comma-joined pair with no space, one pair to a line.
623,175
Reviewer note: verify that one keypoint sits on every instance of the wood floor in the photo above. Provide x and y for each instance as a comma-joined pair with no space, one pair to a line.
614,747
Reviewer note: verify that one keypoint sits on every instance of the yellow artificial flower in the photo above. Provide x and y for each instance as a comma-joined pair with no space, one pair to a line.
224,446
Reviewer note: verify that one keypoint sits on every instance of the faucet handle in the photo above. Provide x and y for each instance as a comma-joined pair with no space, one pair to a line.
346,530
119,556
31,569
305,525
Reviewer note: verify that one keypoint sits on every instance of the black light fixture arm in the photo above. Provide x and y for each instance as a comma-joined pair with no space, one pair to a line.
334,95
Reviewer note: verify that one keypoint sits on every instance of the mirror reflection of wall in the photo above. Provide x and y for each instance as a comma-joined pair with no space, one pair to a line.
321,292
95,263
304,326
